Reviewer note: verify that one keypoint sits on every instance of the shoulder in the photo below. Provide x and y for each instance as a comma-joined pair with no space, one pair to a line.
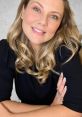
3,44
7,55
63,53
5,48
72,70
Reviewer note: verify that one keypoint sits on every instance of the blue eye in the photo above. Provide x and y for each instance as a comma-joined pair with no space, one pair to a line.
36,9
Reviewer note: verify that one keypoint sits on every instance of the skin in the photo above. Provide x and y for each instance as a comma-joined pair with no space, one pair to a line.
41,19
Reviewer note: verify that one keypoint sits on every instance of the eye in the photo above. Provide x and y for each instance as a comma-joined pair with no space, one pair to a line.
36,9
54,17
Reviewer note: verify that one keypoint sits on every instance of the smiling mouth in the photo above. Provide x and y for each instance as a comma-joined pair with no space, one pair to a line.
38,31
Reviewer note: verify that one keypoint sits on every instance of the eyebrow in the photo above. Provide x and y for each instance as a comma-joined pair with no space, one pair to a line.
37,3
57,13
42,7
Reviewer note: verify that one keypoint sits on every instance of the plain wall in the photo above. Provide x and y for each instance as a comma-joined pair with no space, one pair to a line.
7,14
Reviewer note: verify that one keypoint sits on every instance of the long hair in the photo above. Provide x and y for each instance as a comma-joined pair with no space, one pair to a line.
40,66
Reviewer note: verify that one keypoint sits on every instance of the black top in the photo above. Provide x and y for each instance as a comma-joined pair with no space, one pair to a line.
30,91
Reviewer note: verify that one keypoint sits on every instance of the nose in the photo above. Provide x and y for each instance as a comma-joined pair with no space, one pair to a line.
43,20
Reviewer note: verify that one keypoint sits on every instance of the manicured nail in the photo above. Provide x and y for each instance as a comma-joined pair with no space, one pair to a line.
61,75
64,79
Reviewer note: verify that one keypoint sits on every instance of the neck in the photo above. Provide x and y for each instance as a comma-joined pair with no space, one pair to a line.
36,48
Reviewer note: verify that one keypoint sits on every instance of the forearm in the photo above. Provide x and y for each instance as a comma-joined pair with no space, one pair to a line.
51,111
17,107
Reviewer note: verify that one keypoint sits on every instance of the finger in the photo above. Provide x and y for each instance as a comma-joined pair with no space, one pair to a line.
64,91
60,88
60,80
62,85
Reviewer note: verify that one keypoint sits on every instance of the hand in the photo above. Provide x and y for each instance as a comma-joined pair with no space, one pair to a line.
61,90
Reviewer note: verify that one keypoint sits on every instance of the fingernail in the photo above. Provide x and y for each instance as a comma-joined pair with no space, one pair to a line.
66,88
61,74
64,79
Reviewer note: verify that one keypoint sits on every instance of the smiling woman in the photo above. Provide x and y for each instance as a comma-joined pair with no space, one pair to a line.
41,21
42,54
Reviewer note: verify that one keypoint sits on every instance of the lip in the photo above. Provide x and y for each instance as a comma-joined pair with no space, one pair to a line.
38,31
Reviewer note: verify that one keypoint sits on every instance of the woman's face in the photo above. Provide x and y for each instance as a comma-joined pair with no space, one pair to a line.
41,19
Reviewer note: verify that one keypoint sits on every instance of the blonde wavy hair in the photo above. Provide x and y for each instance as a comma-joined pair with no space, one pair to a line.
40,66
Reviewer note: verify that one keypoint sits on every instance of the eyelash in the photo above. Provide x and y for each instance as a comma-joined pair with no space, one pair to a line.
54,17
36,9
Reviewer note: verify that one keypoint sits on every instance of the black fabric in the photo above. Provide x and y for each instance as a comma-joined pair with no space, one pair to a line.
30,91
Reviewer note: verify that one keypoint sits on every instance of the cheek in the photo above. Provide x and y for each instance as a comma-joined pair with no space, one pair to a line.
53,28
29,17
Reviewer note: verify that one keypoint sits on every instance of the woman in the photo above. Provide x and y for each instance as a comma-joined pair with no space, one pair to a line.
43,42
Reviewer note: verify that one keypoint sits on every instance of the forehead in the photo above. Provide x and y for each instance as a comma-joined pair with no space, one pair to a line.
51,5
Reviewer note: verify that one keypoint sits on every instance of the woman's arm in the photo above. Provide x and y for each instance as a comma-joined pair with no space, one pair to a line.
50,111
17,107
54,111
